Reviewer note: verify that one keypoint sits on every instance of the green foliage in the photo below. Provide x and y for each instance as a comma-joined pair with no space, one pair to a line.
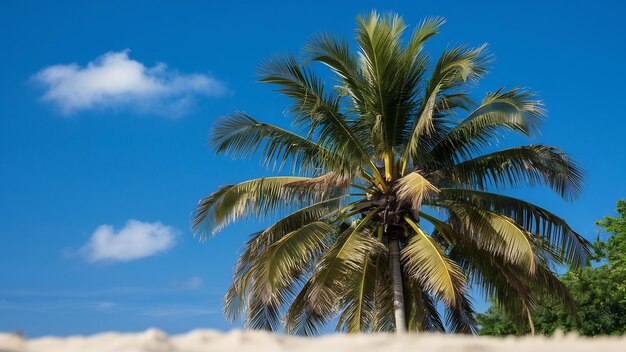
392,140
615,248
599,292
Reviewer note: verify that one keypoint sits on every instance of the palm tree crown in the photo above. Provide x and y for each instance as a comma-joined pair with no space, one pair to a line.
394,208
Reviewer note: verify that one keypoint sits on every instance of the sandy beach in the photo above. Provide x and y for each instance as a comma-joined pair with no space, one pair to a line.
154,340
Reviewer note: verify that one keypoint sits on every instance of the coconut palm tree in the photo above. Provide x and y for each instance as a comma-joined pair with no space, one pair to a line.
394,208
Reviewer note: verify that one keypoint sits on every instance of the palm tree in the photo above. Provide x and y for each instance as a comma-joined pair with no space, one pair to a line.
394,208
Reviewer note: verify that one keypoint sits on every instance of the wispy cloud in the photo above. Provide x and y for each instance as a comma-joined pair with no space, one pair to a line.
135,241
102,307
114,80
179,312
188,286
58,306
192,283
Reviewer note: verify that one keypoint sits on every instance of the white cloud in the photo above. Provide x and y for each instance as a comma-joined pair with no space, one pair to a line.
136,240
113,80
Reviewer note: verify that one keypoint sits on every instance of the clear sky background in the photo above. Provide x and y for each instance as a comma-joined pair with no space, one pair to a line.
97,183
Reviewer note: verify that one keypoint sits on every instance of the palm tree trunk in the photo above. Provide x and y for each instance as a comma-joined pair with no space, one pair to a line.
396,283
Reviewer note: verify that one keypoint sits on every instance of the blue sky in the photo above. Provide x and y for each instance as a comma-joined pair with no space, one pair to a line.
87,168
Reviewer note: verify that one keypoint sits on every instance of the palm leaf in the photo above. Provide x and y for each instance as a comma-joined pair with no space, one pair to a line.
382,302
262,315
240,135
299,218
460,317
358,299
336,54
236,299
496,233
514,110
343,257
426,29
521,166
414,188
254,197
571,247
277,265
301,318
454,67
425,261
392,82
317,109
421,308
495,275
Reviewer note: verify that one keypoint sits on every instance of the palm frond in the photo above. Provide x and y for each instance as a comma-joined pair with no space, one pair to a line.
237,298
572,248
414,188
382,302
495,233
262,315
455,66
277,266
515,110
335,53
498,279
317,109
421,308
261,241
426,262
240,135
299,218
426,29
343,257
392,77
301,319
204,212
357,302
328,184
548,284
460,317
521,166
254,197
495,275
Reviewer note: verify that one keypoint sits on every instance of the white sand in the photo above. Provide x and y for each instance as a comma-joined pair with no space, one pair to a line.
154,340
